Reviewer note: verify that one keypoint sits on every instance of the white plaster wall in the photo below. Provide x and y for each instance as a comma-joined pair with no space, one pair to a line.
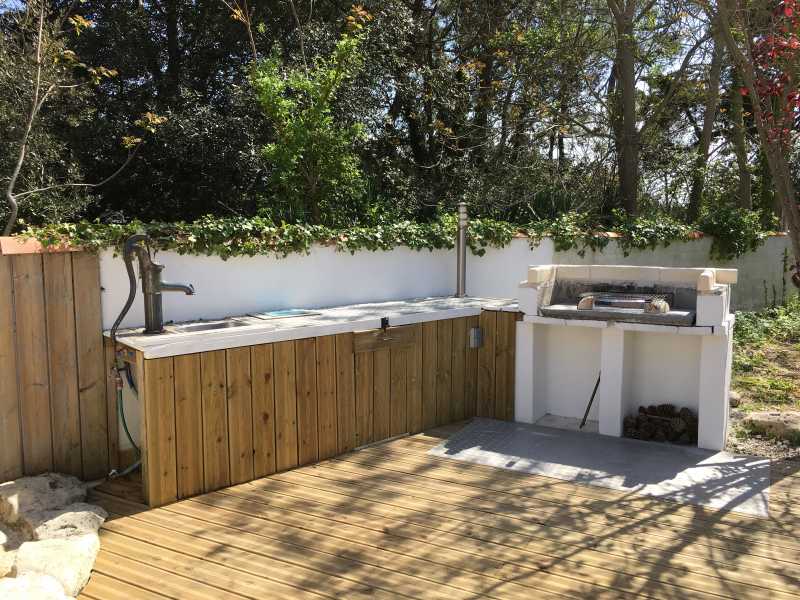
241,285
326,278
565,369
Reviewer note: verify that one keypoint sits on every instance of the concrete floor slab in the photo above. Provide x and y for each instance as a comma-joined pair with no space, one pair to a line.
679,473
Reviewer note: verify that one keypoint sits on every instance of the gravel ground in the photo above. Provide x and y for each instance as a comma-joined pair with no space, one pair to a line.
741,441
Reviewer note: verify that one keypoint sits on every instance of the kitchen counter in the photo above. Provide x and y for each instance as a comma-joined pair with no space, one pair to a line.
251,330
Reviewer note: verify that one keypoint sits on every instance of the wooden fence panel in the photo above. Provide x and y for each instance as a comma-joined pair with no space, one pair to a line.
285,406
345,391
91,365
63,363
32,363
10,437
158,399
486,356
216,468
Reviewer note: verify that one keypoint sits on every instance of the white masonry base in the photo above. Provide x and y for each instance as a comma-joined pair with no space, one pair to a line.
635,370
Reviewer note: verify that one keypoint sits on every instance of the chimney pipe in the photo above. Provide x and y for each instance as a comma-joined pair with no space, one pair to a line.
461,251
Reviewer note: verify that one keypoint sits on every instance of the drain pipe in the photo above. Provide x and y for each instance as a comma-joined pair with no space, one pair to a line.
461,251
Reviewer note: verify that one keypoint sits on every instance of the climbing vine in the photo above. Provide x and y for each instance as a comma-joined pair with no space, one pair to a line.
251,236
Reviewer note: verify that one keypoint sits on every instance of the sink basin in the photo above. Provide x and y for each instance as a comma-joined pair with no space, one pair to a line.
192,327
285,314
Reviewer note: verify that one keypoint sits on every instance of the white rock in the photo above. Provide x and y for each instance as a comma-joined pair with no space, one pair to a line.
76,519
68,560
39,493
31,587
10,540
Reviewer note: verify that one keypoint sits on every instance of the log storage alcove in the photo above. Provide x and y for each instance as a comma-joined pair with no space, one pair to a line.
220,417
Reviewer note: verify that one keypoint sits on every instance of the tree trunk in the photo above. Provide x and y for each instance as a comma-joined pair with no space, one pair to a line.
628,148
739,142
709,118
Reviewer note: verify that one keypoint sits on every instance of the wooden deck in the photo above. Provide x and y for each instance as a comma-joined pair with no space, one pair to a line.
390,521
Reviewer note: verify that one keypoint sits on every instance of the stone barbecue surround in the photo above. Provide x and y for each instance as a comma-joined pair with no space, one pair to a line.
676,351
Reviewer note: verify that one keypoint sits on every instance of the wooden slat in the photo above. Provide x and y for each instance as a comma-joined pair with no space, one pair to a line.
414,383
63,361
11,455
307,432
444,357
285,406
240,414
160,472
263,410
91,363
459,368
486,356
32,363
366,341
382,394
216,467
189,425
398,392
429,354
112,416
471,374
326,396
364,397
504,365
345,391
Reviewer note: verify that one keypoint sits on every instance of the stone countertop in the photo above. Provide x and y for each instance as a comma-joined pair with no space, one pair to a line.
325,321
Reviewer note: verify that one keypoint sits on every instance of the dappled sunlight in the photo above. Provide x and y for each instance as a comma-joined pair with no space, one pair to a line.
391,519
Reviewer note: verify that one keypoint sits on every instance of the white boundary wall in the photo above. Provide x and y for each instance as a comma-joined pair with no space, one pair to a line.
327,278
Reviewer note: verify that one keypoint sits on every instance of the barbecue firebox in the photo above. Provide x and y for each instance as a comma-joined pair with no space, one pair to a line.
648,335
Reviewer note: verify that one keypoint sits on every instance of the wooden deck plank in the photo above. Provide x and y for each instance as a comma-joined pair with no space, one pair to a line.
389,520
389,527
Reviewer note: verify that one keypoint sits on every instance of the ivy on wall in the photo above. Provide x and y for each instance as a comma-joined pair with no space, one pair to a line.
251,236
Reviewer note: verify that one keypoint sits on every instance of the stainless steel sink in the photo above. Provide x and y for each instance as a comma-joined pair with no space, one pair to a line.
192,327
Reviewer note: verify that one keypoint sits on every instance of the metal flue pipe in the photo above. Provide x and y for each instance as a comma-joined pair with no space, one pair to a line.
461,251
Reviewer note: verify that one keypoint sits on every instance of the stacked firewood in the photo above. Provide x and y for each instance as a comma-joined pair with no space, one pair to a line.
662,423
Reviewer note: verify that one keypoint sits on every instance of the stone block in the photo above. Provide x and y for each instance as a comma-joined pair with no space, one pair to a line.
67,560
31,587
39,493
76,519
783,425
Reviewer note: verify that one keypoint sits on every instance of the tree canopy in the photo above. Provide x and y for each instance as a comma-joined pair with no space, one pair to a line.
338,115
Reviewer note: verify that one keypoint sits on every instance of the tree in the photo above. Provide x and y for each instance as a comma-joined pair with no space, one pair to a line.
42,70
314,163
764,45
